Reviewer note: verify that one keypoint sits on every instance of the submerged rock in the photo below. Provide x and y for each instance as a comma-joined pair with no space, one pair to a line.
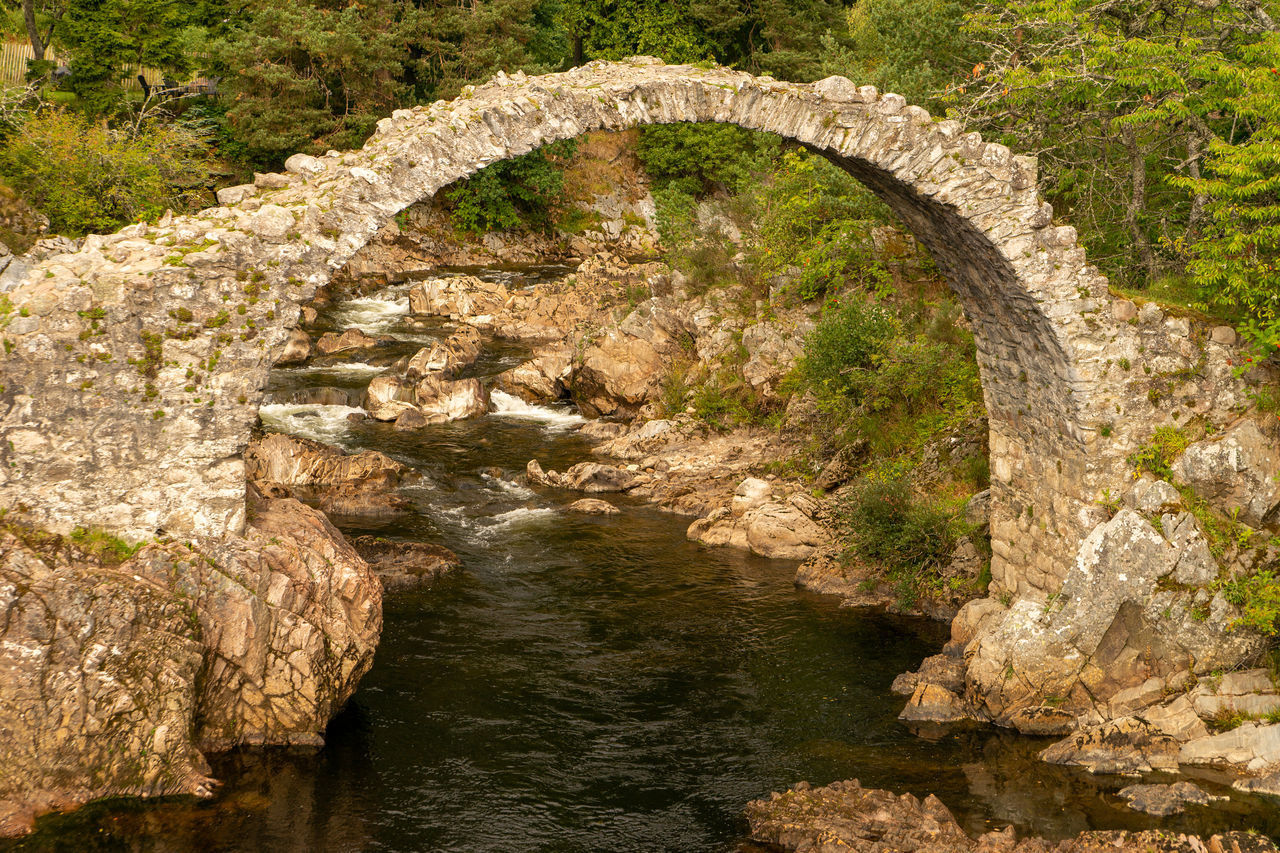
351,339
844,816
1164,800
594,506
1128,745
405,565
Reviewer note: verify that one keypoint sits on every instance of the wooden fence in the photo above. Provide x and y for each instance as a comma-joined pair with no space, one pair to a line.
14,56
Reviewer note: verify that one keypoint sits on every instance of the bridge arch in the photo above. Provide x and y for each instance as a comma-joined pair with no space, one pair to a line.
135,366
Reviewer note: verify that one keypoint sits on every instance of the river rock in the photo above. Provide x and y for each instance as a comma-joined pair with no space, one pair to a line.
931,703
546,377
451,399
1236,471
465,299
751,493
388,396
405,565
351,339
1251,746
446,358
1126,746
772,529
297,348
361,484
594,506
1165,800
593,477
844,816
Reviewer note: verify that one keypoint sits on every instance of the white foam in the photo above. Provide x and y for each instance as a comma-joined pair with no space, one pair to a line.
507,486
506,405
372,313
320,423
522,515
346,368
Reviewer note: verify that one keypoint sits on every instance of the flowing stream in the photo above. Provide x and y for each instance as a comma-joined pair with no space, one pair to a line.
589,683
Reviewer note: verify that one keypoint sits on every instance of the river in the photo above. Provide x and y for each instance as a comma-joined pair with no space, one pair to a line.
589,683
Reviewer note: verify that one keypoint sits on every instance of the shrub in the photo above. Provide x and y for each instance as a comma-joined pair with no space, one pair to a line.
890,526
87,177
852,337
1258,597
697,158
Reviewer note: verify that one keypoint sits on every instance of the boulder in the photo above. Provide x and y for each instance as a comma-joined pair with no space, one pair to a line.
931,703
1251,745
751,493
118,677
446,358
594,506
1176,718
546,377
1126,746
351,339
772,529
297,348
361,484
1236,472
451,399
388,396
1150,496
405,565
1112,626
465,299
593,478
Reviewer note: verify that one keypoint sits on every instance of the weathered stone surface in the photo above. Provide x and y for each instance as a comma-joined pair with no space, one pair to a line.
405,565
1236,472
297,348
362,484
122,676
1150,496
775,529
389,396
931,703
1250,745
1126,745
1176,718
451,400
447,358
465,299
1112,626
844,816
1164,800
351,339
594,506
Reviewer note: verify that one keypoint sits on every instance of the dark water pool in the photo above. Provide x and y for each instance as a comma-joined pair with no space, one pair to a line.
595,684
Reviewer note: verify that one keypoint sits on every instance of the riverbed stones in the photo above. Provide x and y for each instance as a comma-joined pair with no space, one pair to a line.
844,816
297,348
1165,800
593,506
361,484
1127,745
331,343
403,565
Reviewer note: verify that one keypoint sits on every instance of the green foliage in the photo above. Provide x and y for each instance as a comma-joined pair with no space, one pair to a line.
848,343
817,219
87,177
1236,261
1117,98
698,158
913,47
522,191
109,549
890,525
1258,597
1166,444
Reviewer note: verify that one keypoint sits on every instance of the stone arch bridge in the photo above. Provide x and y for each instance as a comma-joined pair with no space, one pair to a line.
133,368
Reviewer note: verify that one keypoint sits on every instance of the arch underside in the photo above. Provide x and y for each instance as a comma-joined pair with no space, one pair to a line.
101,455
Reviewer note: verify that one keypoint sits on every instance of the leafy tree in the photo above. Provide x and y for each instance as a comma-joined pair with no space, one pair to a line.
1109,95
87,177
1236,259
